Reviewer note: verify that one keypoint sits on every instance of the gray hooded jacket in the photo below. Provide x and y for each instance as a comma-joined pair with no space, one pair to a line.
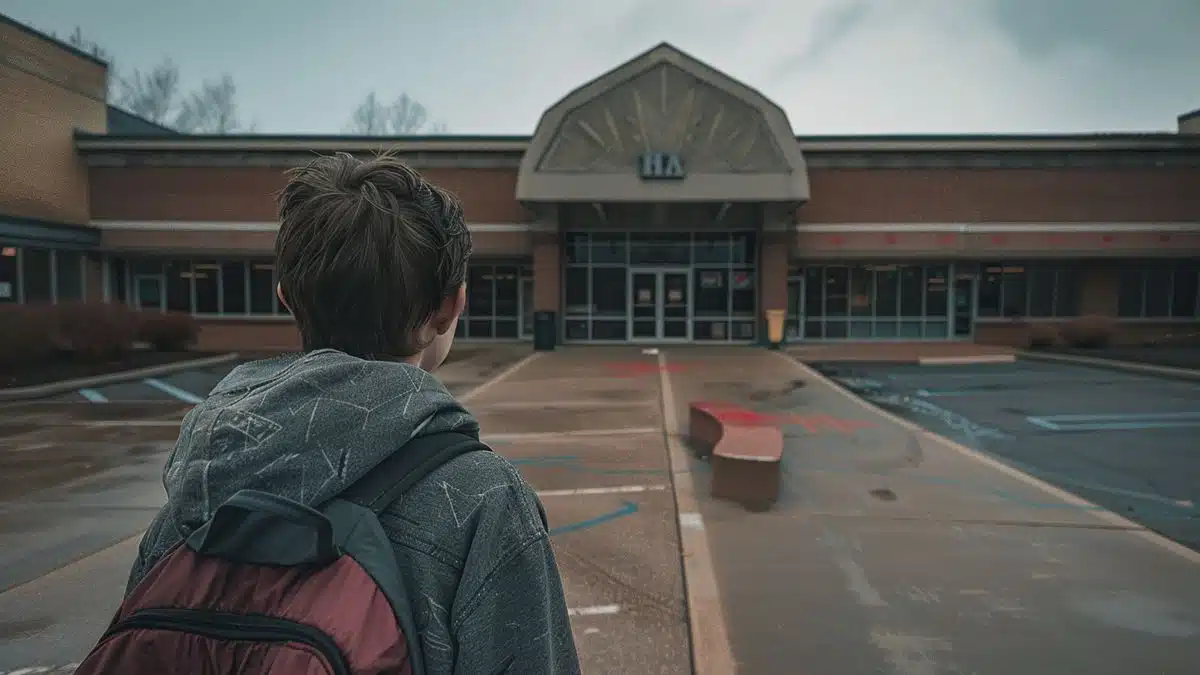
469,537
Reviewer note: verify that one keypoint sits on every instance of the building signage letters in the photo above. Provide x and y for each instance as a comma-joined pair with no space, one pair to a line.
661,166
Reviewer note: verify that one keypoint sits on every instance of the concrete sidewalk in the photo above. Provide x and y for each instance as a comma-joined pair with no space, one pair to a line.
895,551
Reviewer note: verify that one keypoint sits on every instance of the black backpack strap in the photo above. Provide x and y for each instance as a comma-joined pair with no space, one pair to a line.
407,466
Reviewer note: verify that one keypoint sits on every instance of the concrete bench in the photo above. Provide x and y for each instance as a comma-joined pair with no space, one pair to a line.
747,449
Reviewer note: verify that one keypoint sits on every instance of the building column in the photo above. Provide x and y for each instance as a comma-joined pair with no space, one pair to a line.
547,289
1099,288
778,238
773,274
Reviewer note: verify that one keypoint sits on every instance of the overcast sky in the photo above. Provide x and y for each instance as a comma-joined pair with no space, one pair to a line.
836,66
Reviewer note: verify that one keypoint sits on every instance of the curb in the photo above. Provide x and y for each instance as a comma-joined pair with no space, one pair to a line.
1113,364
711,651
964,360
64,386
1124,524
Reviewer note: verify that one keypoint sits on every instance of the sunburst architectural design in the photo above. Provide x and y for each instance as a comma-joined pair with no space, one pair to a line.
664,109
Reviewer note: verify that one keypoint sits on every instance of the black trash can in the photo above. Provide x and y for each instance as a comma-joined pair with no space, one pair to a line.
545,331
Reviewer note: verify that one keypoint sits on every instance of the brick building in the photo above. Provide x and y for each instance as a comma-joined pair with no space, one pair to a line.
662,201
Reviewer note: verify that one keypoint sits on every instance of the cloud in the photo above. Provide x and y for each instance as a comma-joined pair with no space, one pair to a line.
836,66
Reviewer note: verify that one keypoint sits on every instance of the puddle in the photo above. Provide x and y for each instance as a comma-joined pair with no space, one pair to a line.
761,395
24,628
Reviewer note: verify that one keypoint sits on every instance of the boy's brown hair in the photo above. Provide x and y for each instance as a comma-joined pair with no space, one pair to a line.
367,252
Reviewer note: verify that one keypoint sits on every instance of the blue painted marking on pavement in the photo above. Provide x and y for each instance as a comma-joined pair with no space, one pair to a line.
1041,422
941,394
93,396
1116,421
627,509
185,396
1113,417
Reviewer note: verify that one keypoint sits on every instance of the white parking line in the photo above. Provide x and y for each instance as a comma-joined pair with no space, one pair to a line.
595,610
93,396
107,424
579,433
185,396
614,490
551,405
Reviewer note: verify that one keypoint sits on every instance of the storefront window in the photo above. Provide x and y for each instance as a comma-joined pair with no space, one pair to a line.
493,302
178,276
1013,289
118,287
262,288
36,270
206,278
68,275
869,301
10,274
233,287
609,291
1164,289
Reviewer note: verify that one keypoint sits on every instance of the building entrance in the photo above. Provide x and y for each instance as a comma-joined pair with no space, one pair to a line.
660,304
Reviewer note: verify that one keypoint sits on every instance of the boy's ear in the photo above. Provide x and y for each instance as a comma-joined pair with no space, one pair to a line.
452,307
282,300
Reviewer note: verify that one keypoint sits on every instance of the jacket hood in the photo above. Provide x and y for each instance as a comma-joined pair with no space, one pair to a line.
304,427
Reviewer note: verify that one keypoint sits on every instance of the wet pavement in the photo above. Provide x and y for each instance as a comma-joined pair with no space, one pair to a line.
892,552
584,426
78,483
889,551
1124,441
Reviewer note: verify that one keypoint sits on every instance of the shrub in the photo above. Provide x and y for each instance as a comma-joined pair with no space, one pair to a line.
169,332
96,332
1043,335
1089,332
30,334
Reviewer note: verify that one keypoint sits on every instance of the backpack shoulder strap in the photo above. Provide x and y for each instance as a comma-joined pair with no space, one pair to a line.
407,466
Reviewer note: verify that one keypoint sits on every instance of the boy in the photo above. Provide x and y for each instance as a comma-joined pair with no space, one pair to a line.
372,261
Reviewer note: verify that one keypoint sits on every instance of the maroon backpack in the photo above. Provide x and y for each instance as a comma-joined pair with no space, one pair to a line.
270,585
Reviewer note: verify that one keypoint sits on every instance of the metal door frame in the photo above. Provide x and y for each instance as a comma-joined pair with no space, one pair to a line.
161,280
521,308
659,273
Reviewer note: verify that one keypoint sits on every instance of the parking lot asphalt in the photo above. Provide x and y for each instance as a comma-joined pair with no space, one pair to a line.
1126,442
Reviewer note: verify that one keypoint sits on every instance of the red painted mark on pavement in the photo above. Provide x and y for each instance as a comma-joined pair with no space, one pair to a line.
813,424
637,368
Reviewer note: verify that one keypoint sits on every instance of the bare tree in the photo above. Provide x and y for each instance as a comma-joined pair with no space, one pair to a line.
404,116
152,94
407,116
211,109
156,95
370,118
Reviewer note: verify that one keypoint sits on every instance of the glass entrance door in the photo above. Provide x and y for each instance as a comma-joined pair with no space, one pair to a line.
660,305
148,291
964,306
